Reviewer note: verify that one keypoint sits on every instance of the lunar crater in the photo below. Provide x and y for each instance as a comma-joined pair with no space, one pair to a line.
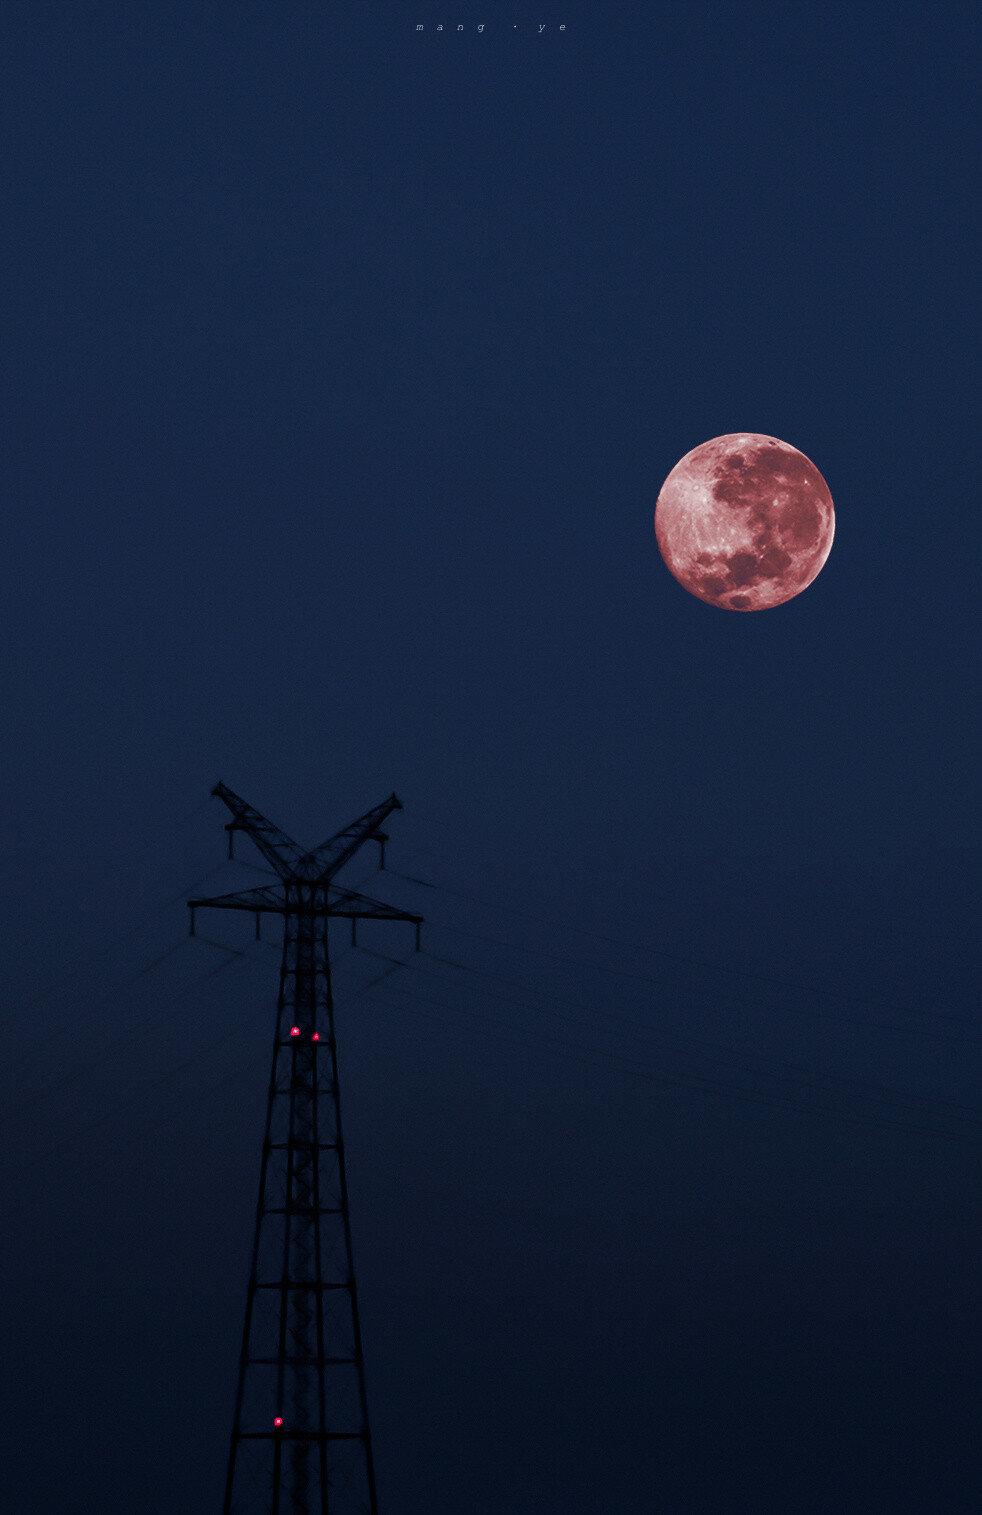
745,521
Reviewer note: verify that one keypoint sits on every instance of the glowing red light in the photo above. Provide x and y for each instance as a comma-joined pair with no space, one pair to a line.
277,1420
316,1037
294,1030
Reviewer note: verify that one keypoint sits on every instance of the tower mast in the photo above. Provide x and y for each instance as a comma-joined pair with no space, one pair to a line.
300,1437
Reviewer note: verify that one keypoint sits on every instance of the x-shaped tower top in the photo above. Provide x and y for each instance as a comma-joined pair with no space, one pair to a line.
295,866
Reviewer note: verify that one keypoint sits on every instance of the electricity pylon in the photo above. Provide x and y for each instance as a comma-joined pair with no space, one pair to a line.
300,1438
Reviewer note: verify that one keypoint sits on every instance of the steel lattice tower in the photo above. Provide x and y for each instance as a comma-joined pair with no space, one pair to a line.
300,1438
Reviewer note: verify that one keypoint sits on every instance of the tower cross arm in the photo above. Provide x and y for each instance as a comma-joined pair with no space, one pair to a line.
349,903
269,899
325,861
276,847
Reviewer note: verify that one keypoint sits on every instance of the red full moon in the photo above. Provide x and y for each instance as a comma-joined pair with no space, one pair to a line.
744,521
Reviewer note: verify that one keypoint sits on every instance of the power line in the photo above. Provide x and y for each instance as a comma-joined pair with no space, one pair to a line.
681,1078
778,1069
135,1031
809,1012
115,941
139,1134
875,1092
689,961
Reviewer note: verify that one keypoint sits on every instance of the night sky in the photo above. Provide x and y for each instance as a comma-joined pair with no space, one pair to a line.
342,365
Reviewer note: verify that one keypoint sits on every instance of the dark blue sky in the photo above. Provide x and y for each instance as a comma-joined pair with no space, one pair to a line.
342,365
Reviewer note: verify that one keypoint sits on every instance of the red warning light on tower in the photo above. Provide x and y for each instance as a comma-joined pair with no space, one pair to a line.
277,1420
316,1037
294,1030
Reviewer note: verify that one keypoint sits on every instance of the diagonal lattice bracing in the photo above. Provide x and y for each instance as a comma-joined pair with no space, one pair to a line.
300,1438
